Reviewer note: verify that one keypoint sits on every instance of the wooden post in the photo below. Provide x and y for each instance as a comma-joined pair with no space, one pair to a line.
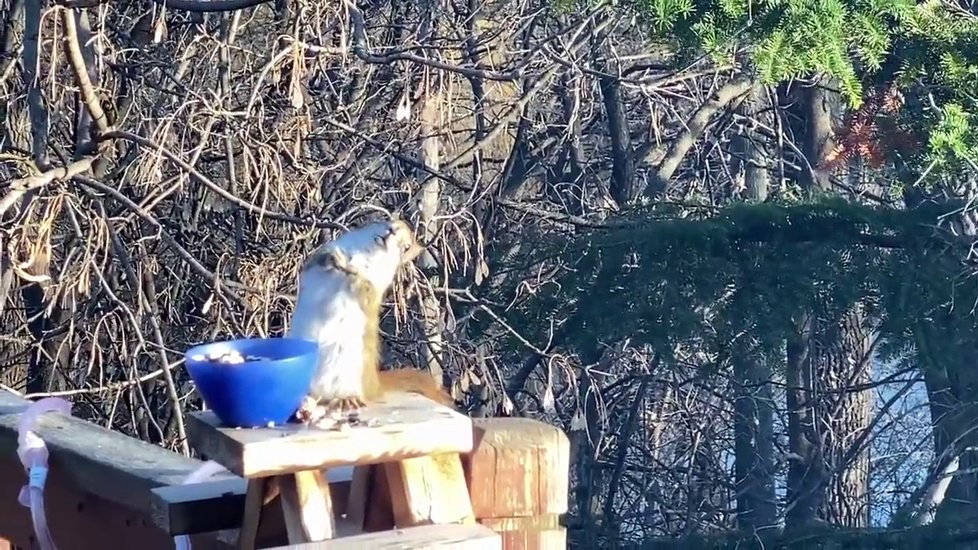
518,477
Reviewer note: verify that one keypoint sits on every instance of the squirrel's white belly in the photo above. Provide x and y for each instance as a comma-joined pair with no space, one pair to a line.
327,312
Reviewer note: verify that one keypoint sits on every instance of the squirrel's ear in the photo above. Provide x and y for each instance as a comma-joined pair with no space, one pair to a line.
414,250
327,257
403,223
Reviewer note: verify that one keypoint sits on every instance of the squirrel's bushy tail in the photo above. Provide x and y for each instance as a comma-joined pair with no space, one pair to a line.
415,381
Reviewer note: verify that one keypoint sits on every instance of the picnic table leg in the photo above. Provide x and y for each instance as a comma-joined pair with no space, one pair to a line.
368,506
361,487
429,490
252,513
307,507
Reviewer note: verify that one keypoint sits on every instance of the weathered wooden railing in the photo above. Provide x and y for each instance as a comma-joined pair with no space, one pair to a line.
106,490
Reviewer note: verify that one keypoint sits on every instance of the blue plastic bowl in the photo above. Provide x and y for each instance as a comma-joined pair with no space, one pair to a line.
254,393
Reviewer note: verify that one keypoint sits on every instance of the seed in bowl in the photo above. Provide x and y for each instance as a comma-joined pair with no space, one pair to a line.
228,358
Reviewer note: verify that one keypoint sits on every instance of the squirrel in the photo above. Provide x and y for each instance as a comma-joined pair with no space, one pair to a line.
341,287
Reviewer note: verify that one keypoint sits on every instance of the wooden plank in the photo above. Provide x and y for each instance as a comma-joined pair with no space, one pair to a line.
519,467
429,489
380,515
11,403
450,536
401,426
553,539
543,532
248,532
271,532
217,505
200,507
307,507
360,491
97,460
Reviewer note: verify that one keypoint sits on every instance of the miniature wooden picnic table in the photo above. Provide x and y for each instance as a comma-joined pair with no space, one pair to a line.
399,434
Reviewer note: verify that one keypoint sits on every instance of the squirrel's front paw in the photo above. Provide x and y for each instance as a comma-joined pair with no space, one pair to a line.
346,404
338,260
307,410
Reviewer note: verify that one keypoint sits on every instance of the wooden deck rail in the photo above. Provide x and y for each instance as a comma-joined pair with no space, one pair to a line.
98,492
107,490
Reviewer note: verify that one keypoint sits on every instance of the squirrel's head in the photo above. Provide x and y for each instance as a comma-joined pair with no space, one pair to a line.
374,251
403,237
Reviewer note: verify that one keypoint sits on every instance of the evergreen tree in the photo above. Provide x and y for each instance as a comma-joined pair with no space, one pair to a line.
928,50
907,71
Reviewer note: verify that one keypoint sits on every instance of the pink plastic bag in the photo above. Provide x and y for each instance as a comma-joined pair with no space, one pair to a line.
33,455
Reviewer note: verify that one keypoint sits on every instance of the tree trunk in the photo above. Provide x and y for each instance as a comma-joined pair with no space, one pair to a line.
952,383
753,405
819,138
947,352
754,444
622,187
806,469
841,359
828,478
829,353
433,322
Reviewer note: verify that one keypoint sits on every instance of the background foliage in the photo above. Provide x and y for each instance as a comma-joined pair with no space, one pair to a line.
632,210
